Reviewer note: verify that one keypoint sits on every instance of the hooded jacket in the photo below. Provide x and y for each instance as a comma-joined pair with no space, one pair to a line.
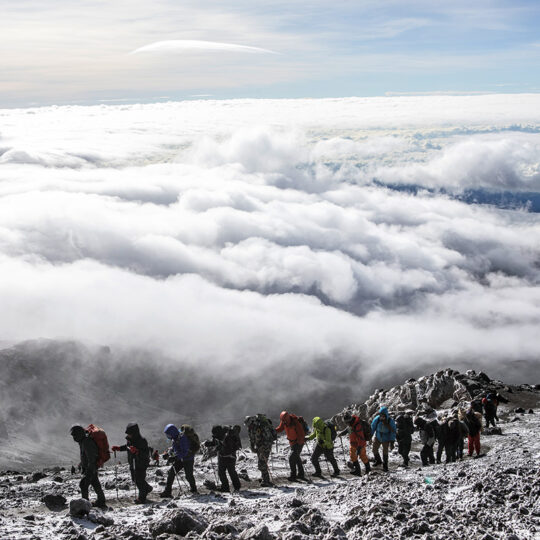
141,459
293,430
357,437
323,434
180,443
426,432
384,431
88,450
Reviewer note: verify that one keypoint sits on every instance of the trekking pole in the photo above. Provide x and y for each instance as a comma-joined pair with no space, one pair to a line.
116,474
213,470
343,449
134,476
178,480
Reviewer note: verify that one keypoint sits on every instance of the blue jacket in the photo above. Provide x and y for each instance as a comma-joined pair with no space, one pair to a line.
384,433
180,443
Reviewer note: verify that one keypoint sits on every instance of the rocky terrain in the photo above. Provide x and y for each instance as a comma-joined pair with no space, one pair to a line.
495,496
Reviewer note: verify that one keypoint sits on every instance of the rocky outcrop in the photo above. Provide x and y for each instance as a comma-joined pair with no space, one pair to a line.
444,388
179,522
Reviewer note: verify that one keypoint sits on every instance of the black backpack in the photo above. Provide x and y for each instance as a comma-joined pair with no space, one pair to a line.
333,429
366,428
193,438
304,425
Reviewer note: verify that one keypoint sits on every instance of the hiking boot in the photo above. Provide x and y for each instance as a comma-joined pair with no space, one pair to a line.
291,478
100,503
167,494
385,466
266,483
367,466
377,462
139,501
149,490
302,478
356,469
350,464
318,474
224,489
335,474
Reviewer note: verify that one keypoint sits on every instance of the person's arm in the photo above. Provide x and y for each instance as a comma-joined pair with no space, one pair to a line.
90,451
281,427
374,424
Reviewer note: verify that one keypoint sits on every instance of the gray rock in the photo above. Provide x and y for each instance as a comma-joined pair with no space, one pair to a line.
79,507
260,532
181,521
54,502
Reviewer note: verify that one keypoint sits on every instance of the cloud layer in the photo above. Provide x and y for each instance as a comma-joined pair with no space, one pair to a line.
249,233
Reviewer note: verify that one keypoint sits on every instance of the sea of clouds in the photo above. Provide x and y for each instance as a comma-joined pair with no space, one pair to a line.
248,233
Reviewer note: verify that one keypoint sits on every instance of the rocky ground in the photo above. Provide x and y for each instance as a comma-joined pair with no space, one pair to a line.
495,496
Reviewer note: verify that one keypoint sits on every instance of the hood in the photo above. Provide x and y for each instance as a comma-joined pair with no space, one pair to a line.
383,411
249,420
78,433
218,432
171,431
318,423
132,430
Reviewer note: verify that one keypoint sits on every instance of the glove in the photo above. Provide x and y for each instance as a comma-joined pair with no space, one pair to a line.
115,448
133,450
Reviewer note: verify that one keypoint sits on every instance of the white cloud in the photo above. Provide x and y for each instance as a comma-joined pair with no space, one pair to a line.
182,45
257,231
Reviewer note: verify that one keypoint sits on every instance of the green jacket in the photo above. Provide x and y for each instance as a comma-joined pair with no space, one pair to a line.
323,434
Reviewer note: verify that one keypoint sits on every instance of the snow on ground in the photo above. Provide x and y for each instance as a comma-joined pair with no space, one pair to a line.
496,496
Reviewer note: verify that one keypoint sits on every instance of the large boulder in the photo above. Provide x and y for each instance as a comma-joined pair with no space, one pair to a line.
79,507
54,502
181,522
260,532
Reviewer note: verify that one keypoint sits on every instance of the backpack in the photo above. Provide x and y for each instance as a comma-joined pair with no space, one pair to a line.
232,437
193,438
265,425
333,429
100,438
366,428
304,425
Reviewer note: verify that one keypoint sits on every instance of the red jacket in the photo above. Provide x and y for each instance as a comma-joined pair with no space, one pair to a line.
293,430
357,433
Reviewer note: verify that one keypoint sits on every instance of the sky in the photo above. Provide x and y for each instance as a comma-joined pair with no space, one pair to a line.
65,52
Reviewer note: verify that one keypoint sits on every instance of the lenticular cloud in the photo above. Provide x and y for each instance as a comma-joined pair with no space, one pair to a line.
387,231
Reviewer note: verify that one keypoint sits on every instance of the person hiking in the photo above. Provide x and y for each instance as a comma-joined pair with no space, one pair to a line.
261,438
181,456
473,420
489,403
138,459
324,445
383,430
227,441
89,465
427,438
463,433
357,443
404,432
294,429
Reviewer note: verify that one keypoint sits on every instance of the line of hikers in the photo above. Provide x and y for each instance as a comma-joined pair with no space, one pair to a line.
383,432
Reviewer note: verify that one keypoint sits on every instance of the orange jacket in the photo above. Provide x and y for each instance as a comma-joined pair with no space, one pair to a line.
357,433
293,430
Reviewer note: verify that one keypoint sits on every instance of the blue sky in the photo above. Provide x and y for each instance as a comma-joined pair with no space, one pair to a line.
60,51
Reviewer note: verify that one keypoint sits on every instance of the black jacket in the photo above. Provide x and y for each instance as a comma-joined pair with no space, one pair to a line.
141,460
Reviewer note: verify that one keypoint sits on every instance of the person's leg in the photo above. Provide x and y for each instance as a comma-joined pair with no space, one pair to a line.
96,484
376,446
385,446
317,452
329,455
299,464
470,441
222,473
140,482
188,471
477,443
406,444
84,484
424,454
231,469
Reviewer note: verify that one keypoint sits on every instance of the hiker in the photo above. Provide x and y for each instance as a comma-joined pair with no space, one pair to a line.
138,459
427,438
404,431
294,427
89,465
490,405
499,398
155,458
357,442
383,429
324,445
182,456
473,420
450,434
227,441
261,438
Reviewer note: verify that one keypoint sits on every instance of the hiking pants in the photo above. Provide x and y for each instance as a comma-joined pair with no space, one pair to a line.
427,454
440,448
91,479
450,450
138,475
358,452
263,455
227,464
474,444
328,454
404,447
459,448
490,419
177,466
295,461
376,445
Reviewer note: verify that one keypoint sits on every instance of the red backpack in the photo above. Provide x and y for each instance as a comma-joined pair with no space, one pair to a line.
100,438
